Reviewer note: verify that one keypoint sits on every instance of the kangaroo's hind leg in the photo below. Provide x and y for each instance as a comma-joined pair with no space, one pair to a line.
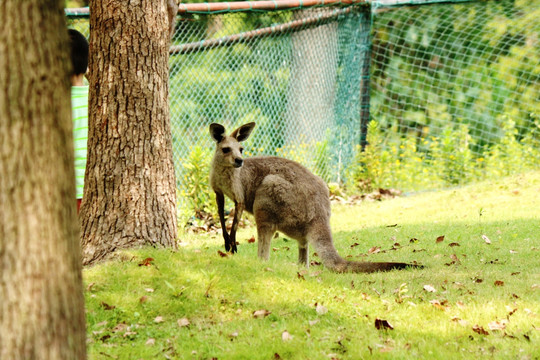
265,231
303,256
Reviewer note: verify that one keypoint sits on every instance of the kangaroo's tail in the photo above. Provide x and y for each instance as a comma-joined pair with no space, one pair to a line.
368,267
323,244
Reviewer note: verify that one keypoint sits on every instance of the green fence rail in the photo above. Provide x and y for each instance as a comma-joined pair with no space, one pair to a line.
442,93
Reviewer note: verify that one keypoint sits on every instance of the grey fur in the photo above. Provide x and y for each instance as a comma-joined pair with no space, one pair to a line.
283,196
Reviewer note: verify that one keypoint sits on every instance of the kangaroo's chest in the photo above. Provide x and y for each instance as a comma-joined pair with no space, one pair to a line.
229,185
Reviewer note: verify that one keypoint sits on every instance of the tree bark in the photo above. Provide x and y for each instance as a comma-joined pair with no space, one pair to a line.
130,186
41,291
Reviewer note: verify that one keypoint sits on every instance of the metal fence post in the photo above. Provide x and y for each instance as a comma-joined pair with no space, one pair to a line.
365,58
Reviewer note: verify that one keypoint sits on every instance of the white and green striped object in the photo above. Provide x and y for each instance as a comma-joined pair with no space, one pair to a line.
79,106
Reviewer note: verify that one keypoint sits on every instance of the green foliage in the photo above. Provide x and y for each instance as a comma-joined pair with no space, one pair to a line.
446,160
468,63
195,188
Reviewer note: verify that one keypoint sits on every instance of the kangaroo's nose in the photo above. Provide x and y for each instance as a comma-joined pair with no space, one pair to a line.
238,162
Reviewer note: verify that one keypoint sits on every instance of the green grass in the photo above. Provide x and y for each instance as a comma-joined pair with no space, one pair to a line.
497,282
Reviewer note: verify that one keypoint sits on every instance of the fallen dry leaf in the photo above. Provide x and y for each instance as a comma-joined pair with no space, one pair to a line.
499,283
437,304
150,342
158,319
497,325
183,322
261,314
381,324
285,336
143,299
106,306
429,288
313,322
374,250
150,290
440,239
146,262
480,330
222,254
460,321
321,309
120,327
454,244
251,240
486,239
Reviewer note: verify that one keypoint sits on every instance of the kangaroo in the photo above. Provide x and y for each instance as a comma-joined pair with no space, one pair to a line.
283,196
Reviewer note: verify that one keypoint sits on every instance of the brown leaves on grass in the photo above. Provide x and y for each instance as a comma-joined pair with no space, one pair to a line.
106,306
374,250
377,195
320,309
147,262
441,305
439,239
480,330
183,322
223,254
381,324
455,260
497,325
285,336
259,314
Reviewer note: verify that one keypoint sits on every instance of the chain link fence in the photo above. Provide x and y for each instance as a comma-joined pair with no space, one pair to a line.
443,93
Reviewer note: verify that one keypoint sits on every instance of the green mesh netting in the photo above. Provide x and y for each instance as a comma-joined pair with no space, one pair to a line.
452,89
295,73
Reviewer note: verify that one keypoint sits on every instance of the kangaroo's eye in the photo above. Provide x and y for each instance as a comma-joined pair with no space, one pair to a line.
226,150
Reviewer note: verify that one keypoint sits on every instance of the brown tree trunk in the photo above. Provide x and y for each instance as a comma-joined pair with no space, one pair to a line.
41,291
130,189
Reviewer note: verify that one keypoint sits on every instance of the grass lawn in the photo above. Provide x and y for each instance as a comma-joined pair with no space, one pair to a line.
473,298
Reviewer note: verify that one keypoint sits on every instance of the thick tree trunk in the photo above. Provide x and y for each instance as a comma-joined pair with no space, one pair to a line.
41,291
130,189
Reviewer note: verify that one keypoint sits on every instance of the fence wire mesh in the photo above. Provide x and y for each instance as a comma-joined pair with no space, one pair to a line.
453,89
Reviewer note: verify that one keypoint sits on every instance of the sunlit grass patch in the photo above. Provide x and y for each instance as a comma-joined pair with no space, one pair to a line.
473,299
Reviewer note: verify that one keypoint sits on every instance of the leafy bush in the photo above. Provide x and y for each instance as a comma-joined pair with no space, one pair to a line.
441,161
195,193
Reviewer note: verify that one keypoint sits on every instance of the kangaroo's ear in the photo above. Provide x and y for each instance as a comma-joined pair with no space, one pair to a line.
217,132
243,132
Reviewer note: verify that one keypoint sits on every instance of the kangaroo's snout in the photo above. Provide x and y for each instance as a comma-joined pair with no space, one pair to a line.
238,162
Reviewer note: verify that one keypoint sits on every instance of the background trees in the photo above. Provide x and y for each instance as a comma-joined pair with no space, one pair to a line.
41,300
